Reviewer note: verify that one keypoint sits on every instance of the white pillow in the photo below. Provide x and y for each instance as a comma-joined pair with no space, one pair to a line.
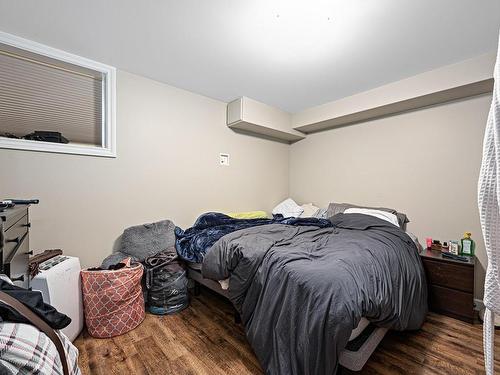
309,210
288,208
384,215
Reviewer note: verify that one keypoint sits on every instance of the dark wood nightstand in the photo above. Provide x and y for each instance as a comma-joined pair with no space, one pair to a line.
451,285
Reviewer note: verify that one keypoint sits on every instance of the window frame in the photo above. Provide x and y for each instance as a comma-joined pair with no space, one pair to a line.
108,126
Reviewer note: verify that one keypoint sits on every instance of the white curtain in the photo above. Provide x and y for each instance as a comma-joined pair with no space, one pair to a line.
489,209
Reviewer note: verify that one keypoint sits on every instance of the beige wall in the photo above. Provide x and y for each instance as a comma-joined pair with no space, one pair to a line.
424,163
168,144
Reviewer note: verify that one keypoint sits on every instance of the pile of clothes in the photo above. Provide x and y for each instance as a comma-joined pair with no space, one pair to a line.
165,283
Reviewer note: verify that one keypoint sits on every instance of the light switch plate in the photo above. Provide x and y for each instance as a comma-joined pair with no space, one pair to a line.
224,159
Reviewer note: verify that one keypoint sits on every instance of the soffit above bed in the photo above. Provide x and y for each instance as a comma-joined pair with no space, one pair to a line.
453,82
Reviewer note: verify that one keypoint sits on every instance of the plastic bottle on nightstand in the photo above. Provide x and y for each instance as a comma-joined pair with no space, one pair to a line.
468,245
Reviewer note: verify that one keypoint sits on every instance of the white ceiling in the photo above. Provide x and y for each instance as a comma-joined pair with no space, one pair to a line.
287,53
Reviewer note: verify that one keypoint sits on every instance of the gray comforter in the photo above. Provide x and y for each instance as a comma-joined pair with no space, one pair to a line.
301,290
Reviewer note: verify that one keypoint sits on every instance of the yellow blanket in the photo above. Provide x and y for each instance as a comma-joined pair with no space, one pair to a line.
248,215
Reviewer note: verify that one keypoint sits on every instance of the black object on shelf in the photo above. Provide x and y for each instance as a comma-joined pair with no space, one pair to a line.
10,135
46,136
23,201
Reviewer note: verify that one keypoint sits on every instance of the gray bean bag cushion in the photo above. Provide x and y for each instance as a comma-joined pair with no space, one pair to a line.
145,240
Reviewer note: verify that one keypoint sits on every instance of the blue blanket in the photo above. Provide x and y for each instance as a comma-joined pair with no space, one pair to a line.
193,243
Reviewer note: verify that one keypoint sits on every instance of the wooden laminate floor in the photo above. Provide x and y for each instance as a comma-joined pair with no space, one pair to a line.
203,339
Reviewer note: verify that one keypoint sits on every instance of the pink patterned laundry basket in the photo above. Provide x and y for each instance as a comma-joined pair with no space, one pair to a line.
113,301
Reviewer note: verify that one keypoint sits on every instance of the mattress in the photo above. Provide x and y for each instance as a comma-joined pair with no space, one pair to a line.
363,323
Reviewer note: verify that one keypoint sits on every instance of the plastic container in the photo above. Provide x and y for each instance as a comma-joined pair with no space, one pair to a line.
468,245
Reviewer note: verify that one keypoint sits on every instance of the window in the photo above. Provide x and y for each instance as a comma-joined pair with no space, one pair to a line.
47,90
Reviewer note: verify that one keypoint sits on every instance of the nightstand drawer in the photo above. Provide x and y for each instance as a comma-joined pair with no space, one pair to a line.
451,302
449,275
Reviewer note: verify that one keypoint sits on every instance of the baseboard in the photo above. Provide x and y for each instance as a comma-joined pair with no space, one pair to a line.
478,304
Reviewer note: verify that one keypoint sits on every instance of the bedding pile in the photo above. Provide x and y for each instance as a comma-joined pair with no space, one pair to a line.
301,290
193,243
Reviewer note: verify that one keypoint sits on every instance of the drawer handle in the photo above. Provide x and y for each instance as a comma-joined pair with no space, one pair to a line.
27,225
29,252
19,278
16,240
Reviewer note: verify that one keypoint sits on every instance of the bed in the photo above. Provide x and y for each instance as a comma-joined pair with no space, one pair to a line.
363,340
306,293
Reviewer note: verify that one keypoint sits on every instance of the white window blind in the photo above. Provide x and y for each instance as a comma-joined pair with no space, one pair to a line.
46,89
39,93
